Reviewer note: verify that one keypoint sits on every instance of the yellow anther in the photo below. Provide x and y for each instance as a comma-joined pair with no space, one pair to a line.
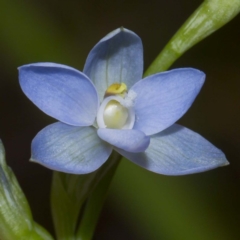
116,89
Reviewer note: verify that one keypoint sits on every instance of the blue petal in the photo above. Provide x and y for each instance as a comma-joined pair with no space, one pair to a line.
61,92
117,58
126,139
69,149
163,98
178,151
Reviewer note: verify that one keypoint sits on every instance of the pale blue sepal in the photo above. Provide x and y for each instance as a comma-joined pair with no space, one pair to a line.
116,58
69,149
178,151
163,98
61,92
127,139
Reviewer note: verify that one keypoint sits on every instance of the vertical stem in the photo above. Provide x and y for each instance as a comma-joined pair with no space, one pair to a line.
68,194
95,202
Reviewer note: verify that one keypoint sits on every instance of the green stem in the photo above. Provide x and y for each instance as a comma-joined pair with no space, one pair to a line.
96,201
68,194
208,17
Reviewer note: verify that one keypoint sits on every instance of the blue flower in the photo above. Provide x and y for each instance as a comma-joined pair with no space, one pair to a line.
108,107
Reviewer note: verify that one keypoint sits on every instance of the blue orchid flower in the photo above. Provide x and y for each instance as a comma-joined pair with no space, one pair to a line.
108,107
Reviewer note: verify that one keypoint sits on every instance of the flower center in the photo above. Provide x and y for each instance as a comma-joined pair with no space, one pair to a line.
116,89
116,110
115,115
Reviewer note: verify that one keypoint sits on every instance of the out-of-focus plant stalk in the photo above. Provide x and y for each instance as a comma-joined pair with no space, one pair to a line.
16,222
209,17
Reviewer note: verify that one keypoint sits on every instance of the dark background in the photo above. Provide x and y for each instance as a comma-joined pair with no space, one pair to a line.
141,205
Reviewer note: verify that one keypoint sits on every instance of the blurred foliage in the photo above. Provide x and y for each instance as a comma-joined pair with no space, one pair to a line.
141,205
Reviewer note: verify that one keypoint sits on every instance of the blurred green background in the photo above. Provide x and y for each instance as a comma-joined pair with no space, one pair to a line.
141,205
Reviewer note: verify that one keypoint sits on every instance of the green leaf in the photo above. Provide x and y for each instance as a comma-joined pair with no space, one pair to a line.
210,16
16,220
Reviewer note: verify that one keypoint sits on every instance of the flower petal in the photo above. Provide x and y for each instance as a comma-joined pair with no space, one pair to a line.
127,139
164,97
69,149
117,58
61,92
178,151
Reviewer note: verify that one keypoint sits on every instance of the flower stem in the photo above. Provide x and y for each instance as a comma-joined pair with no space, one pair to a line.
68,195
208,17
95,202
